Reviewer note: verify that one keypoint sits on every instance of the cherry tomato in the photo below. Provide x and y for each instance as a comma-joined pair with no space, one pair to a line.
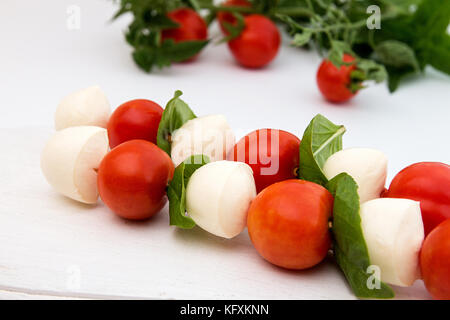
288,223
136,119
435,261
272,154
429,183
228,17
258,44
335,83
191,26
133,177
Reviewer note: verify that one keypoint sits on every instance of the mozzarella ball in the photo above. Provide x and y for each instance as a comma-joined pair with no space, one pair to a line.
209,135
218,196
70,159
393,230
367,166
87,107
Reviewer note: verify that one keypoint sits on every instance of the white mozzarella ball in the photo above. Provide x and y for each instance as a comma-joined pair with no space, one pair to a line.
367,166
209,135
218,196
87,107
70,159
393,230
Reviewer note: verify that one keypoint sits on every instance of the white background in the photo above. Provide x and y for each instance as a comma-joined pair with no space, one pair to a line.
50,246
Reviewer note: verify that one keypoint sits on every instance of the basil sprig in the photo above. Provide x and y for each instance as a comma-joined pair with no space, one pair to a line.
321,139
176,191
350,247
176,113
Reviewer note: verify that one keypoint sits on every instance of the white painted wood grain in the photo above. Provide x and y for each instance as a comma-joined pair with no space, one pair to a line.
50,245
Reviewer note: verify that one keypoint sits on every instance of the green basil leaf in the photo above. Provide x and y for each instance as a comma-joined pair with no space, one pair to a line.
439,54
303,38
431,19
234,30
193,4
350,247
396,75
176,191
336,54
181,51
321,139
369,70
264,6
396,54
176,113
148,55
429,24
401,5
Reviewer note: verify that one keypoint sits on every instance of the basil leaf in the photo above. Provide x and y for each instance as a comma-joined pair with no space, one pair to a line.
396,75
193,4
431,19
321,139
430,23
369,70
440,54
400,60
350,247
303,38
234,30
396,54
401,5
176,113
148,56
336,54
176,191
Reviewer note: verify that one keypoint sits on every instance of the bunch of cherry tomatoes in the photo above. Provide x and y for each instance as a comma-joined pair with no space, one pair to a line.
258,44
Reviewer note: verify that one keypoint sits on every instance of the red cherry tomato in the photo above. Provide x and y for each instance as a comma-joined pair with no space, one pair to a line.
228,17
272,154
288,223
429,183
191,26
435,261
333,82
132,179
258,44
136,119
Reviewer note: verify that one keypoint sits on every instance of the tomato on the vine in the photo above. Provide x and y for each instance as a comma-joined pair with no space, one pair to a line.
132,179
135,119
288,223
435,261
227,17
272,154
334,83
191,26
429,183
258,43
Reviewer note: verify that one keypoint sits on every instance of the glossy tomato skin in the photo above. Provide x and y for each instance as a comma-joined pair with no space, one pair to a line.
136,119
191,26
288,224
429,183
256,148
334,83
435,261
228,17
132,179
258,44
